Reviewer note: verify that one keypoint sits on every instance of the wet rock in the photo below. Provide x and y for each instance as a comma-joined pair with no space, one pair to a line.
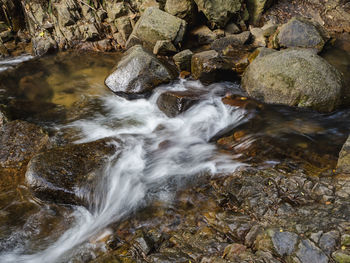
284,242
343,165
172,103
138,72
183,60
328,241
232,28
281,78
70,173
301,33
309,253
201,35
219,12
19,141
164,47
237,57
256,9
155,25
184,9
238,39
341,256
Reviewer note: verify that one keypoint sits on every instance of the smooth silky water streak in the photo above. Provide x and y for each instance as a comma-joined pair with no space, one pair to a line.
141,168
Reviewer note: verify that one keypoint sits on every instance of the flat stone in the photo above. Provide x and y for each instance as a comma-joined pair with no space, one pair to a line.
284,242
309,253
328,241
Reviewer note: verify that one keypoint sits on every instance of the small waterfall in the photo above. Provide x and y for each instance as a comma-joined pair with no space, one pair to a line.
154,150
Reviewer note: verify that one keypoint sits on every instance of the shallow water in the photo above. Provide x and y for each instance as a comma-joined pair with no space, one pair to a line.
156,155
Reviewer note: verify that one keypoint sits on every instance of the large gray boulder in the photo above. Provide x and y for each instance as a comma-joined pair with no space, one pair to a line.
155,25
138,72
295,78
303,33
219,12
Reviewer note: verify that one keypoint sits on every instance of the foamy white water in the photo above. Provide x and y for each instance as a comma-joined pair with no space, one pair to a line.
153,150
13,61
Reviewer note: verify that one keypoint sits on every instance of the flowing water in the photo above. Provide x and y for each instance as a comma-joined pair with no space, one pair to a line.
156,155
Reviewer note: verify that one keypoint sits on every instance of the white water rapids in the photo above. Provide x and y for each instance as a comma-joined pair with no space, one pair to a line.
154,151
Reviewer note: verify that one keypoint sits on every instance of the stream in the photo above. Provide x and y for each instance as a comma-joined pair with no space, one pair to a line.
156,155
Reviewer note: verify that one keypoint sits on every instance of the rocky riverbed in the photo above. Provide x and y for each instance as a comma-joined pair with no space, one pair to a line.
212,131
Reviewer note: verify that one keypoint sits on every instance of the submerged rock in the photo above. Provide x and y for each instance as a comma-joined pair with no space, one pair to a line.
138,72
70,173
219,12
300,32
173,103
155,25
19,141
281,78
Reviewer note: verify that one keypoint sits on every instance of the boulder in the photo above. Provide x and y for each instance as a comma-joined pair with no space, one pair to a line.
172,103
138,72
68,174
343,165
19,141
184,9
209,66
219,12
281,78
256,9
183,60
155,25
300,32
237,39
